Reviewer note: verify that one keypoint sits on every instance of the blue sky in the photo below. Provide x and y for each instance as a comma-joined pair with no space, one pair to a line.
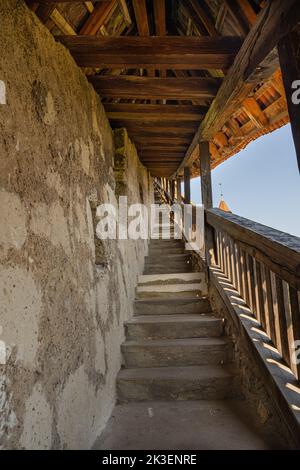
261,183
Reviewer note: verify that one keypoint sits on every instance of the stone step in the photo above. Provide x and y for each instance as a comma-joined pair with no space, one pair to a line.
180,268
157,252
169,279
169,259
155,243
176,352
179,284
172,306
173,327
177,383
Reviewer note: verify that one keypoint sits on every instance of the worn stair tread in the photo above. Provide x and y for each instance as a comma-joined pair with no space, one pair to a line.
186,342
177,318
177,278
203,372
173,300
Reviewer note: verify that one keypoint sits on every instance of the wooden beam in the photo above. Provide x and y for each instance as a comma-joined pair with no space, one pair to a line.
68,1
150,133
169,52
140,11
160,17
232,7
177,127
154,113
44,11
289,56
200,15
274,22
126,86
255,113
171,141
97,18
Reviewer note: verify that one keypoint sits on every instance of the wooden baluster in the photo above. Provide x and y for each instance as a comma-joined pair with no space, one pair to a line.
280,318
259,295
295,318
268,304
224,254
227,251
220,251
240,271
245,278
250,283
252,287
234,265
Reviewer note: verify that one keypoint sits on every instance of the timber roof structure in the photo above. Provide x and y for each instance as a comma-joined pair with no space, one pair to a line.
173,72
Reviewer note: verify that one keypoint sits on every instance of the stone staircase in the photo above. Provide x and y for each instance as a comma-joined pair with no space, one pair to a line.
175,348
178,389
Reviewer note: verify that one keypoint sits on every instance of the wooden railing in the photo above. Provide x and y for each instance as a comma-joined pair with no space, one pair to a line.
263,265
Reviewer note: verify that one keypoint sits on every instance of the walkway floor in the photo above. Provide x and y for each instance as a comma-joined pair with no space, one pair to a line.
192,425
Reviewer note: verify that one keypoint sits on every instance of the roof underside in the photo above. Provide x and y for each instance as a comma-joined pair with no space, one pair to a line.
160,88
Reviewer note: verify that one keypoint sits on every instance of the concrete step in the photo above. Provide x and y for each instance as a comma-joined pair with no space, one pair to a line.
169,259
176,352
158,251
171,306
168,285
173,326
169,279
155,243
176,383
174,269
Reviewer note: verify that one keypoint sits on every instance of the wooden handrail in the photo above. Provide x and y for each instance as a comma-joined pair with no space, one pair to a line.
263,265
279,250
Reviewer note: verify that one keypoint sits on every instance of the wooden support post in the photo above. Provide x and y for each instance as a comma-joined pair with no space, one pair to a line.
207,201
187,185
173,190
178,190
289,56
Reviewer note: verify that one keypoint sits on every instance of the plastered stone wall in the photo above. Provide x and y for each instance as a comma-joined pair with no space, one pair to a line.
61,314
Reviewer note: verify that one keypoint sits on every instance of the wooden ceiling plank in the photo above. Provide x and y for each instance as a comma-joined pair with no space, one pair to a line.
169,52
154,113
126,86
275,21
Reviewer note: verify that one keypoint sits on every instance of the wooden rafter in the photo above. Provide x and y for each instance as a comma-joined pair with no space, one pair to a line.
126,86
97,18
155,112
275,21
168,52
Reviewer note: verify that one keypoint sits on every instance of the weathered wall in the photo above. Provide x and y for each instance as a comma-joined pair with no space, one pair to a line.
61,315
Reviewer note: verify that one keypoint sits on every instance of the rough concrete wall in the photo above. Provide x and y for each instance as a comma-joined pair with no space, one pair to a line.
61,315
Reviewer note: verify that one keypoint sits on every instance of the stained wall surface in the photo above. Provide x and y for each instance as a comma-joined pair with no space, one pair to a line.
62,303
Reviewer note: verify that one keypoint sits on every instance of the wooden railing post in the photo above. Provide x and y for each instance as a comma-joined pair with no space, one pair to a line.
187,185
207,201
